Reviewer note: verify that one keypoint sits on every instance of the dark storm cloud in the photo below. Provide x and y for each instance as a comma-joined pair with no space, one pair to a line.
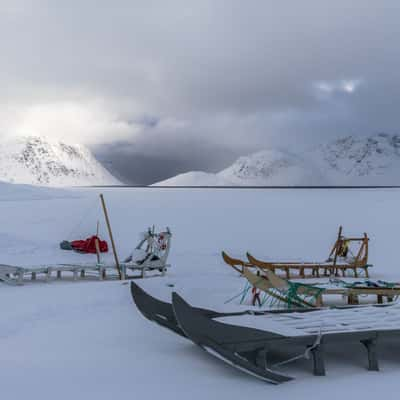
192,84
137,166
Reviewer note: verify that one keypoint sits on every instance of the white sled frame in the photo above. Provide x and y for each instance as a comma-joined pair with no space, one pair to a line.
158,246
17,275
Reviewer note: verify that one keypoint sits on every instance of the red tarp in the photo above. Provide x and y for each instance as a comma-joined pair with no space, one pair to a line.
89,245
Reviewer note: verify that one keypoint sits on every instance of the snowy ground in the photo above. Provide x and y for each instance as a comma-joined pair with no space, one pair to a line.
87,340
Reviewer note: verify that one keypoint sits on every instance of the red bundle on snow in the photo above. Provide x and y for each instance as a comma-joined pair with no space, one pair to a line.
89,245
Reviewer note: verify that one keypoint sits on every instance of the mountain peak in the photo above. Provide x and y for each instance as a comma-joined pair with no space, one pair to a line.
40,161
363,156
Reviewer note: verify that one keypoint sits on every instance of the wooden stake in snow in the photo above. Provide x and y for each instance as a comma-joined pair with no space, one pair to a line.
97,250
96,242
111,235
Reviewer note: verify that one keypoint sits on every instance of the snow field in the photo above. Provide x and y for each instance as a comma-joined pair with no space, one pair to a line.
86,340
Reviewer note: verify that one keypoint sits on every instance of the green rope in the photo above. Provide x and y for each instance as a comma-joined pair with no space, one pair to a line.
242,293
309,294
291,297
246,289
264,299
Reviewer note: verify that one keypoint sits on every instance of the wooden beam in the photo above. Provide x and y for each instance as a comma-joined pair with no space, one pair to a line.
111,235
361,239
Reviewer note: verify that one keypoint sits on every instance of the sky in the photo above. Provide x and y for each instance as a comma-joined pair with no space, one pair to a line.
156,88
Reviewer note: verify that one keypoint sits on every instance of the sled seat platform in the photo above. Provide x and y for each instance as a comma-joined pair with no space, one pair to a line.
246,339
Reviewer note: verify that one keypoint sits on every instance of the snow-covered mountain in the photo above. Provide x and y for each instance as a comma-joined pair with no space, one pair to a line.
39,161
274,167
267,167
373,160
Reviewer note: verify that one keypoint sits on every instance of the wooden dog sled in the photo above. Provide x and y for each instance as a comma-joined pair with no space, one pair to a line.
339,262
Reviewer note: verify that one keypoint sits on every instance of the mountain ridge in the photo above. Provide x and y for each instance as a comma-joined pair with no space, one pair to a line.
347,161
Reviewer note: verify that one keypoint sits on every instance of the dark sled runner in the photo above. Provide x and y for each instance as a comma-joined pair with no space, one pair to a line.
245,339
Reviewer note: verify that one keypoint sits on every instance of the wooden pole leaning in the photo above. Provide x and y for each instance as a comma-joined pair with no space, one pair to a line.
111,235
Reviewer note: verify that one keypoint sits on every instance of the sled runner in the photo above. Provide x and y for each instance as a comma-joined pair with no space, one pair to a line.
245,339
162,313
340,260
235,347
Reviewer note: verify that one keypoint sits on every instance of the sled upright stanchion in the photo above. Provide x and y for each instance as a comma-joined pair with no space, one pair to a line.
336,248
111,235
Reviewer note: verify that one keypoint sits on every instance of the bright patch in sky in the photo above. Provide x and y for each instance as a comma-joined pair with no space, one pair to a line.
343,86
81,121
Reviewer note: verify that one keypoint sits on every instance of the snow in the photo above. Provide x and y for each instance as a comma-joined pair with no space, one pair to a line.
324,321
196,178
87,340
41,161
11,192
373,160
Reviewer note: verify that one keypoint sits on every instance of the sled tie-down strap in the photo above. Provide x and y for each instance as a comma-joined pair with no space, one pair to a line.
306,353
